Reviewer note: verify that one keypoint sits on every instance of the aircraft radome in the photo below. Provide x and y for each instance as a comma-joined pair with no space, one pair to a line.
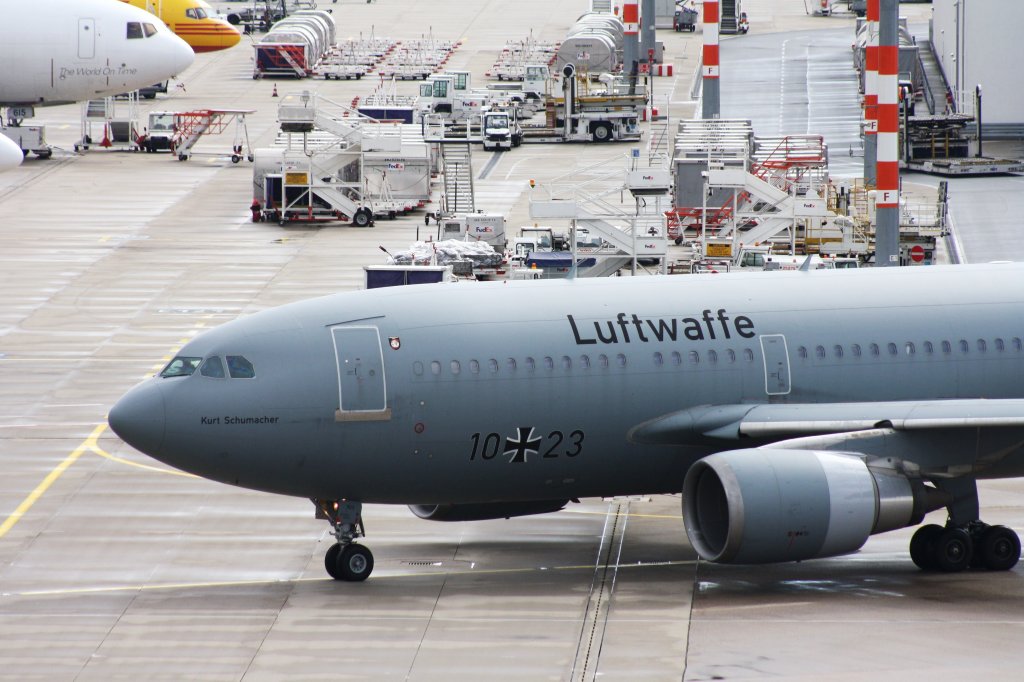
798,413
62,51
10,154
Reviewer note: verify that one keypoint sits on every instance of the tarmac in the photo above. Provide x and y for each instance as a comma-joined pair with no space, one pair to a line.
113,567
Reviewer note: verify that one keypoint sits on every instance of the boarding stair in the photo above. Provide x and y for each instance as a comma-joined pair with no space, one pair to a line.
729,22
659,144
457,165
785,180
346,129
617,244
189,127
776,209
935,89
607,227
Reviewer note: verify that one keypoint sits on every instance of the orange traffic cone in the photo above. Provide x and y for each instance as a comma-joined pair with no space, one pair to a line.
275,90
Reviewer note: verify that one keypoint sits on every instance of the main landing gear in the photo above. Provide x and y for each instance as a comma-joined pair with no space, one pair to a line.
345,560
965,541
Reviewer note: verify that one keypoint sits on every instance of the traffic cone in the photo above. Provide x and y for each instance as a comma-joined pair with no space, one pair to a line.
275,91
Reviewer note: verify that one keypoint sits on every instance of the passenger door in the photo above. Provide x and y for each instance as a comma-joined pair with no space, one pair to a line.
776,364
362,390
86,38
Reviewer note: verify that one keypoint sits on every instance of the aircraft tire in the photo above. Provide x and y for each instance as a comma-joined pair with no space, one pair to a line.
1000,548
953,550
355,563
922,544
331,561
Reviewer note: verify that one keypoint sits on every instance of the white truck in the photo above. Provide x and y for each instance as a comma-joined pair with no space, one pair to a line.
501,130
160,132
599,117
30,139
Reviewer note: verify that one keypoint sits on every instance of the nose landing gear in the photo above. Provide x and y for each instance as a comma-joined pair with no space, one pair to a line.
345,560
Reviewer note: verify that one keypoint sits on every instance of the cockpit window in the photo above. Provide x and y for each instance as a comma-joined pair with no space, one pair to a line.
240,368
195,13
134,30
212,368
181,366
149,29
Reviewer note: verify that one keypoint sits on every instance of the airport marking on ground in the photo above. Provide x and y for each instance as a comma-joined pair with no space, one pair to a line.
90,444
56,473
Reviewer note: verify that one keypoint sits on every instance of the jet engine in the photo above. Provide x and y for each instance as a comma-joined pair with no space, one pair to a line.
766,505
484,510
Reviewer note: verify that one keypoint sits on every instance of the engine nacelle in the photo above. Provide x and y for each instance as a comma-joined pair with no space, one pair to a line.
485,510
765,505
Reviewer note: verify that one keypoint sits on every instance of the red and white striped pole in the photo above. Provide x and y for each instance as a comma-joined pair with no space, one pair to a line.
871,94
630,36
887,185
711,97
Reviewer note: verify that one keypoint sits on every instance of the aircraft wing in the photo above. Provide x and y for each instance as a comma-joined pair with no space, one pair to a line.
933,439
779,421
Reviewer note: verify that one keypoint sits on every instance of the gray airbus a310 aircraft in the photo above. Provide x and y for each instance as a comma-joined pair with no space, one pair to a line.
798,413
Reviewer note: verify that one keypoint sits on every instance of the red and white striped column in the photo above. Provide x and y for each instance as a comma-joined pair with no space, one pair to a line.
871,94
630,36
711,98
887,185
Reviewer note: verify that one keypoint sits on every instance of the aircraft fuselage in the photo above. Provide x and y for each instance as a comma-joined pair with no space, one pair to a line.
534,391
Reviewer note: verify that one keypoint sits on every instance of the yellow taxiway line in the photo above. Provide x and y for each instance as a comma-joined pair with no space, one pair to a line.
90,444
56,473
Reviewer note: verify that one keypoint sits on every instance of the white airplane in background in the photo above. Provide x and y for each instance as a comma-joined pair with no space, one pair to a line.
10,154
62,51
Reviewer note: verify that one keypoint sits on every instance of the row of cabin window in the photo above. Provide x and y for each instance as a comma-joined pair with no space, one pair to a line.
910,348
566,363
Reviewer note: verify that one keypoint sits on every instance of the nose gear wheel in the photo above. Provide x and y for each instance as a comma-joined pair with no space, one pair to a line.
345,560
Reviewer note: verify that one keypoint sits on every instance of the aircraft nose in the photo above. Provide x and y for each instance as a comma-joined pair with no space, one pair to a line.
183,55
139,418
229,35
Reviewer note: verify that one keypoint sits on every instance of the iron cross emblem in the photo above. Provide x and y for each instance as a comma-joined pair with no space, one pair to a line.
522,445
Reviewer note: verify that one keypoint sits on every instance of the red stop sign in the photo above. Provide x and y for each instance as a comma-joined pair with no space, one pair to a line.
917,253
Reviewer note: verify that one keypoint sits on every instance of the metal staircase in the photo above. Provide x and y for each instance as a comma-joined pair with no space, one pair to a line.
606,225
457,164
778,208
934,80
659,145
729,22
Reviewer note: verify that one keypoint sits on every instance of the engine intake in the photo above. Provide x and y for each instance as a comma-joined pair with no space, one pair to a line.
766,505
485,510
